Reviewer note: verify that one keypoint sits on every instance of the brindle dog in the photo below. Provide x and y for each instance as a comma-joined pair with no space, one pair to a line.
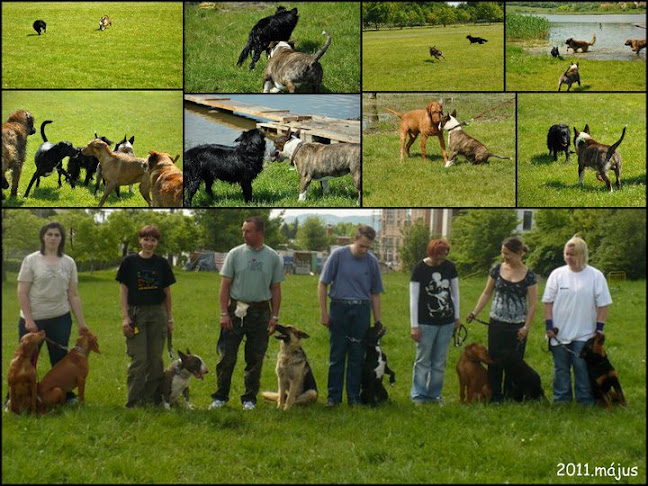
569,77
598,156
15,131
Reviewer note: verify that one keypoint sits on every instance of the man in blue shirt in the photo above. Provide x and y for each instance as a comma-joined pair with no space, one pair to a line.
354,276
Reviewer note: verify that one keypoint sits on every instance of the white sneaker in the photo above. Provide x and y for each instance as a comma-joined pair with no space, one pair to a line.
249,406
217,404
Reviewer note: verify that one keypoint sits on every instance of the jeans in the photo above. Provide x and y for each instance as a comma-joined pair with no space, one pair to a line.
502,341
430,362
563,360
348,325
254,327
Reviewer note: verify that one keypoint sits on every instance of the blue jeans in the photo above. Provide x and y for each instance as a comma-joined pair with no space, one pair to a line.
348,325
563,360
430,362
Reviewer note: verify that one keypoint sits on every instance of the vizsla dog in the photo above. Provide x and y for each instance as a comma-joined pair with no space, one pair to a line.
473,379
165,180
69,373
118,169
15,131
424,121
22,374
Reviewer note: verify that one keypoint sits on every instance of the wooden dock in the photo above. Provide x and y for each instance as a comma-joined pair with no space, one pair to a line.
313,128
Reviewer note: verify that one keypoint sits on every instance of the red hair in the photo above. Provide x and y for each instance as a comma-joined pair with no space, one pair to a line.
437,246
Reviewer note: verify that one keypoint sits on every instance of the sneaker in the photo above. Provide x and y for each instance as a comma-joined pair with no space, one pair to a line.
249,406
217,404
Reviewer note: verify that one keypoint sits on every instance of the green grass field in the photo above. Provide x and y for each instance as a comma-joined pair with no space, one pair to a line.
389,182
540,72
545,183
142,48
103,442
154,117
399,60
214,38
278,186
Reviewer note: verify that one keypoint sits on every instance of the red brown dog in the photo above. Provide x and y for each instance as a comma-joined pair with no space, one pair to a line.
22,374
165,180
636,44
473,379
424,121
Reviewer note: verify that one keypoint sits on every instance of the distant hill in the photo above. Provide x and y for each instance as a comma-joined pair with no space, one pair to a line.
333,219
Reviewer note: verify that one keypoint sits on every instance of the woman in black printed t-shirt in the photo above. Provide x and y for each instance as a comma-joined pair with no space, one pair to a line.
514,290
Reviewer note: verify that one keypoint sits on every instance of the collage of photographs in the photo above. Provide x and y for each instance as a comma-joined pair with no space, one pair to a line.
334,175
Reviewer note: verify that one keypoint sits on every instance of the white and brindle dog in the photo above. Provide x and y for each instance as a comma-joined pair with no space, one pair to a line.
295,377
597,156
175,381
319,162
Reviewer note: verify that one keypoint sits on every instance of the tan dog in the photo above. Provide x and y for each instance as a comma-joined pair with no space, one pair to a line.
69,373
296,381
424,121
636,44
22,374
118,169
15,131
473,379
580,44
165,180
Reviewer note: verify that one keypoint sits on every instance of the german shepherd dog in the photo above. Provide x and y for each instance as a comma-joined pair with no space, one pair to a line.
603,377
579,44
436,53
295,377
597,156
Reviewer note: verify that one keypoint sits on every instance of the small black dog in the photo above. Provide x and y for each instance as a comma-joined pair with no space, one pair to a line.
523,381
49,157
559,140
372,390
478,40
39,26
87,162
277,27
236,165
603,377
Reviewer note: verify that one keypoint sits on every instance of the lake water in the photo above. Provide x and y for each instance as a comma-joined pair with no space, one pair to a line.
205,125
611,33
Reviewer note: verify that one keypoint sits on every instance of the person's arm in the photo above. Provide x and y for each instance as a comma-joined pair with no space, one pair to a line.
225,319
454,291
548,315
415,330
25,306
483,298
321,292
375,307
532,298
167,302
75,304
127,327
601,317
275,305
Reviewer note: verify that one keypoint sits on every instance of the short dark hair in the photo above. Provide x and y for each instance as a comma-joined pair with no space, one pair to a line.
149,230
366,231
41,236
258,223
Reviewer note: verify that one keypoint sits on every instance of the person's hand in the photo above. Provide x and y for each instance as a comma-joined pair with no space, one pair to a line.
127,327
470,318
551,334
416,334
30,325
226,322
272,324
522,333
325,320
170,325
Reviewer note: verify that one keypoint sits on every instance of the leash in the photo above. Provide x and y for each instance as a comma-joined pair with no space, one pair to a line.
55,344
474,318
484,112
459,335
170,346
561,344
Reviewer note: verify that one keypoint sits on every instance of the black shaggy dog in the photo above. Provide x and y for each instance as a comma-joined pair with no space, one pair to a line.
472,39
236,165
87,162
277,27
523,381
39,26
558,140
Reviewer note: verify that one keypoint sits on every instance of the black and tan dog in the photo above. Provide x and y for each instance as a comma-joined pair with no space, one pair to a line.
372,390
595,155
569,77
460,143
175,381
603,377
319,162
15,131
295,377
580,44
474,40
636,44
436,53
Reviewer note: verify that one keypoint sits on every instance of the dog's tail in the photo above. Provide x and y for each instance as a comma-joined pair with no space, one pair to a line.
613,148
593,39
498,156
321,52
245,52
43,129
399,115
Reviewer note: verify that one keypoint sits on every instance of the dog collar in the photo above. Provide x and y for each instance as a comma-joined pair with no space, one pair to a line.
81,351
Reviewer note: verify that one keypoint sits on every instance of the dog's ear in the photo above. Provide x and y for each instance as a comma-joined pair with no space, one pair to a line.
302,335
182,355
132,140
188,352
297,133
454,113
600,337
576,132
586,129
175,159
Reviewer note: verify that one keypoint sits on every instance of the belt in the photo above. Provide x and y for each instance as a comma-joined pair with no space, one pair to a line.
350,302
263,304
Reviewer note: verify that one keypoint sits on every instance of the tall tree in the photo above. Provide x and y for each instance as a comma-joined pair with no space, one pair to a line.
415,240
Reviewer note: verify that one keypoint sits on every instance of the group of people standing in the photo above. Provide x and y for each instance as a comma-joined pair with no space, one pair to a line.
576,298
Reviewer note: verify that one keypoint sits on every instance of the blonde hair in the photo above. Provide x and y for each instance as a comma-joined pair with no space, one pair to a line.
580,250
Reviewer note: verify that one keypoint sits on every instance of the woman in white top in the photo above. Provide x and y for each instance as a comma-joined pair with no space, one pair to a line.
47,291
576,300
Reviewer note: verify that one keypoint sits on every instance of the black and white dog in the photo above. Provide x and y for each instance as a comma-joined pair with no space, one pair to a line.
372,390
237,165
40,26
277,27
559,140
49,157
175,381
319,162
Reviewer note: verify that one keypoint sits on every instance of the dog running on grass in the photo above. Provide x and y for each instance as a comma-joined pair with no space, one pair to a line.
569,77
474,40
597,156
49,157
277,27
436,53
40,26
579,44
15,131
237,165
104,22
294,375
603,377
